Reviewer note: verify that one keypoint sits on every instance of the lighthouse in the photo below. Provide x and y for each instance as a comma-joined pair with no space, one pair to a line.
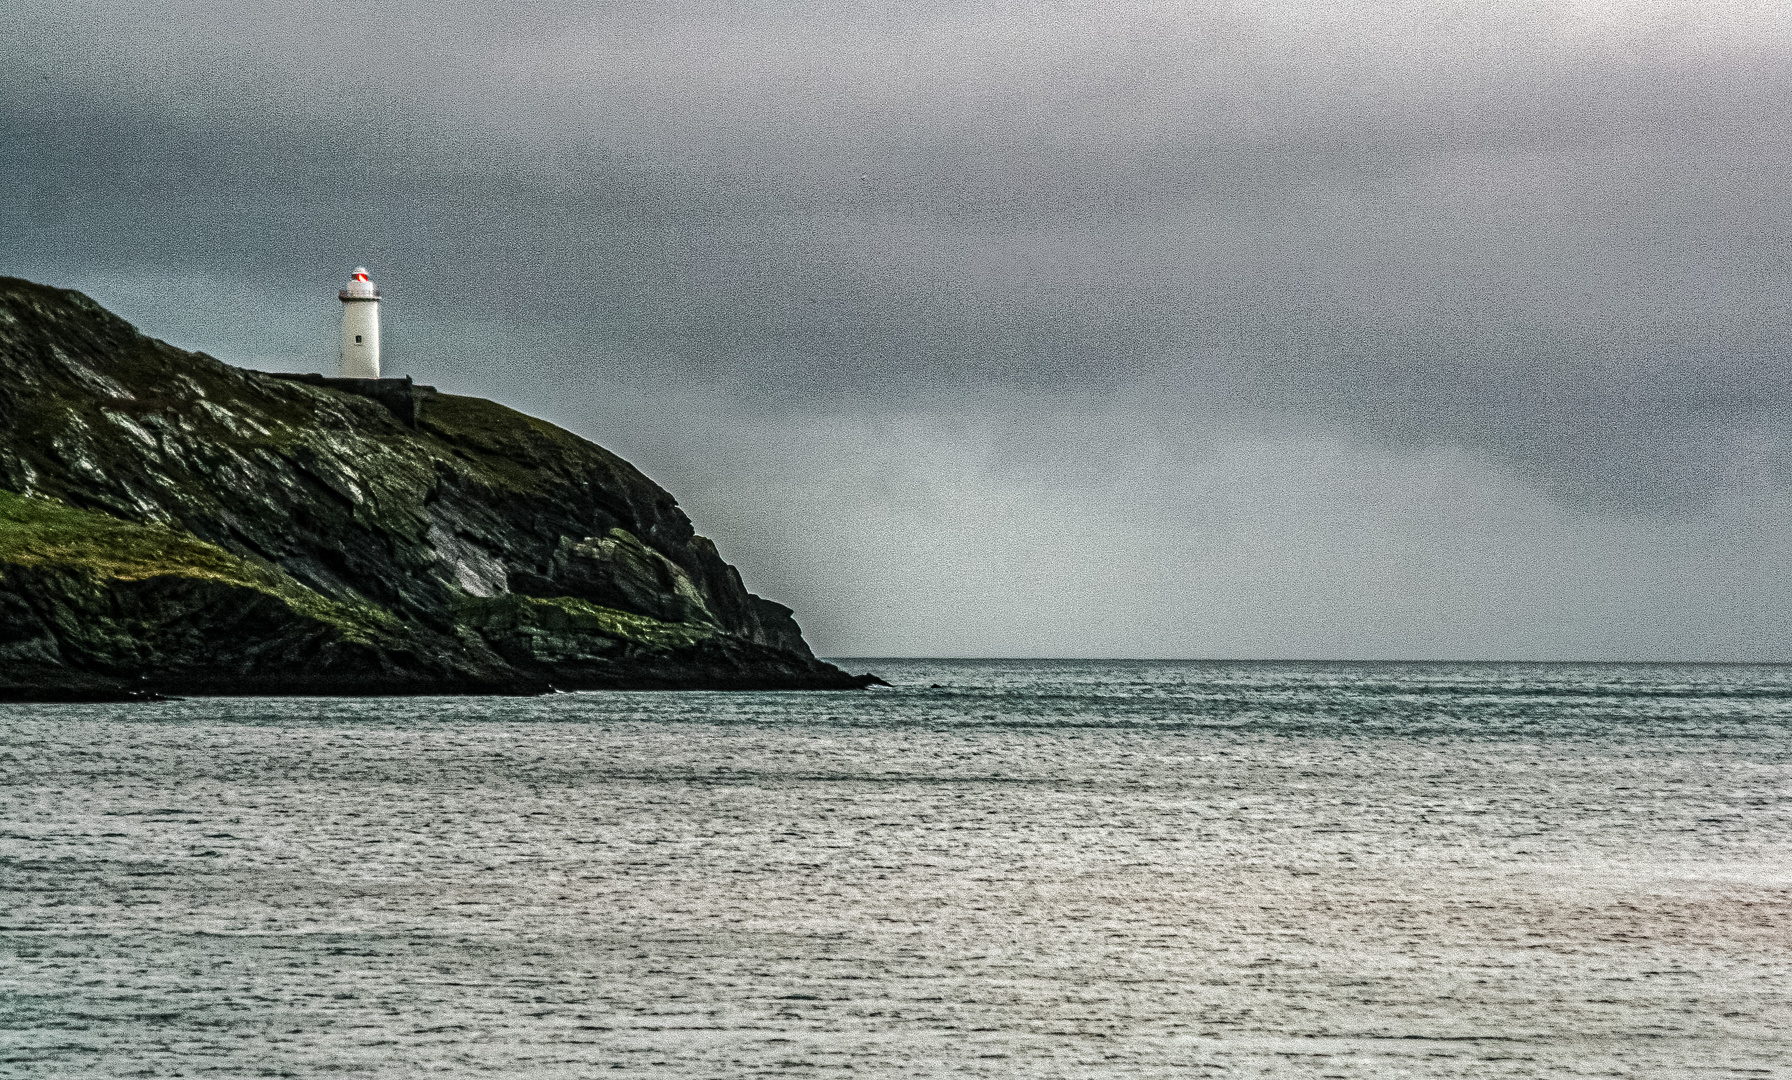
360,327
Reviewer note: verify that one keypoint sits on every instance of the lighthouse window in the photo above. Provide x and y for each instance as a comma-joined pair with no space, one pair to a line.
357,339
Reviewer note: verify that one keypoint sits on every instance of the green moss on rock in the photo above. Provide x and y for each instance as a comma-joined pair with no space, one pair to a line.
566,614
39,532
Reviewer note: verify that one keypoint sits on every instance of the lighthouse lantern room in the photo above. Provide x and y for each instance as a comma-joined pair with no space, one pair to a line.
360,327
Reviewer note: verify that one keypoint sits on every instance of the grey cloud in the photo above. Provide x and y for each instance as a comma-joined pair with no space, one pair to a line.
1554,236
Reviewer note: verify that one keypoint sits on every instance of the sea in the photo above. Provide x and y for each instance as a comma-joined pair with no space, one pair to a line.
1030,868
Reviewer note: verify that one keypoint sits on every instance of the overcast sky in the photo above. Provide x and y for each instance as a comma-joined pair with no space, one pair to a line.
1378,330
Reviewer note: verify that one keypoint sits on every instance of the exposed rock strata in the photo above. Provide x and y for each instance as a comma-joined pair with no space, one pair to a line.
169,523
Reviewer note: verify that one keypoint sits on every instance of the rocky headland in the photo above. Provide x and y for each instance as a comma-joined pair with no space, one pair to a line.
170,524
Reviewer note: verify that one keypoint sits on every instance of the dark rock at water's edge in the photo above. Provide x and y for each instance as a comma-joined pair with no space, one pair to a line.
170,524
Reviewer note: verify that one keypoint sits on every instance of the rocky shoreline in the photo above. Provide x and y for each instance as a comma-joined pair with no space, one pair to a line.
173,525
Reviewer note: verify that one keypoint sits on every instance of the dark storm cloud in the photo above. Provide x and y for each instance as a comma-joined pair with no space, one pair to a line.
1560,241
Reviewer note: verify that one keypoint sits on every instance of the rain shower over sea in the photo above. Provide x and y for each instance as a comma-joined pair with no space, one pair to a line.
1032,869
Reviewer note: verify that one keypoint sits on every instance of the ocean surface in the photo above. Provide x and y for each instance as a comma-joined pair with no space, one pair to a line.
1030,869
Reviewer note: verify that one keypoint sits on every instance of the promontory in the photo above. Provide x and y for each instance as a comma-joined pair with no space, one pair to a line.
171,524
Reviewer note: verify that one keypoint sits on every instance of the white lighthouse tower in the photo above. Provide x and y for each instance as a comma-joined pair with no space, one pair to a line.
360,327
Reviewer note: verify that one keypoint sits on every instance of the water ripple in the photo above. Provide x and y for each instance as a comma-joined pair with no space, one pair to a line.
995,869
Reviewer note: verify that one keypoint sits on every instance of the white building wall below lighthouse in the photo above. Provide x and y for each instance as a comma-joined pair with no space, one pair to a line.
360,339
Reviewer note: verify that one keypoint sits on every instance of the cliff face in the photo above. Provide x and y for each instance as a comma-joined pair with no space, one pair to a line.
170,523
